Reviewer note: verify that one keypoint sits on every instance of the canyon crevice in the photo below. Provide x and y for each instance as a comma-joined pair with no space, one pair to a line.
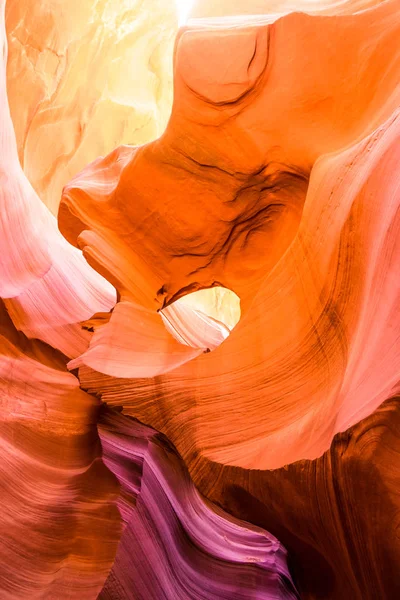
199,292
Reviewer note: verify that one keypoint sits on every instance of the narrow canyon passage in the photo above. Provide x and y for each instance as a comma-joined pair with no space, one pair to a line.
199,292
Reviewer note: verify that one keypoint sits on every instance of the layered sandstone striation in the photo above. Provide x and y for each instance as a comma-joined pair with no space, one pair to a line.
338,515
175,544
59,525
61,522
229,290
275,178
47,286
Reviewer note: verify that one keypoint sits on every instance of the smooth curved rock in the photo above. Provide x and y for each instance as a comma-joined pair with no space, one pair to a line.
218,303
278,181
98,75
175,544
193,327
47,285
277,177
338,516
134,343
59,525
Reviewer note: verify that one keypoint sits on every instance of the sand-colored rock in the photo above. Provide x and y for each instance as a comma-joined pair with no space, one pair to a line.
275,8
47,286
219,303
135,343
59,524
276,178
82,78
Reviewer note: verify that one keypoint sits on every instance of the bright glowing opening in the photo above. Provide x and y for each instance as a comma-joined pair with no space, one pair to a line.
203,319
218,303
183,7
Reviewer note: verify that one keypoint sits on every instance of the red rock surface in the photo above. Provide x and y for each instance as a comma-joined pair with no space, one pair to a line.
275,178
338,515
59,525
59,520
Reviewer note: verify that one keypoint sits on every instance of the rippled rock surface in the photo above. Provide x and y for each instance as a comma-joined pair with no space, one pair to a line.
276,178
176,544
199,361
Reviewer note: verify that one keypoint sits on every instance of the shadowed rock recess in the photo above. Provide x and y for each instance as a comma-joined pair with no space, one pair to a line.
200,356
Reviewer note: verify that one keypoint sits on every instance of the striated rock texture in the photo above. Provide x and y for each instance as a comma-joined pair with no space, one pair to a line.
59,524
276,178
338,516
83,77
175,544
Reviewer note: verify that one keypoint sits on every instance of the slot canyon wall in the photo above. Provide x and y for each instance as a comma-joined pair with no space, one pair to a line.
199,292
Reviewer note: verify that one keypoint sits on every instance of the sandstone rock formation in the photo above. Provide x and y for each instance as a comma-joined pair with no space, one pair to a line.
59,525
47,285
338,515
272,182
176,545
84,77
160,436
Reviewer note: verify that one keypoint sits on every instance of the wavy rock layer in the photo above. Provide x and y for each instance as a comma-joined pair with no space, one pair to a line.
338,516
175,544
47,285
59,520
286,194
98,75
60,523
277,177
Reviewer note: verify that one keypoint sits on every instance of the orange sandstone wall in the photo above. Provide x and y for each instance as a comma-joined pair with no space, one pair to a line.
84,77
277,178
